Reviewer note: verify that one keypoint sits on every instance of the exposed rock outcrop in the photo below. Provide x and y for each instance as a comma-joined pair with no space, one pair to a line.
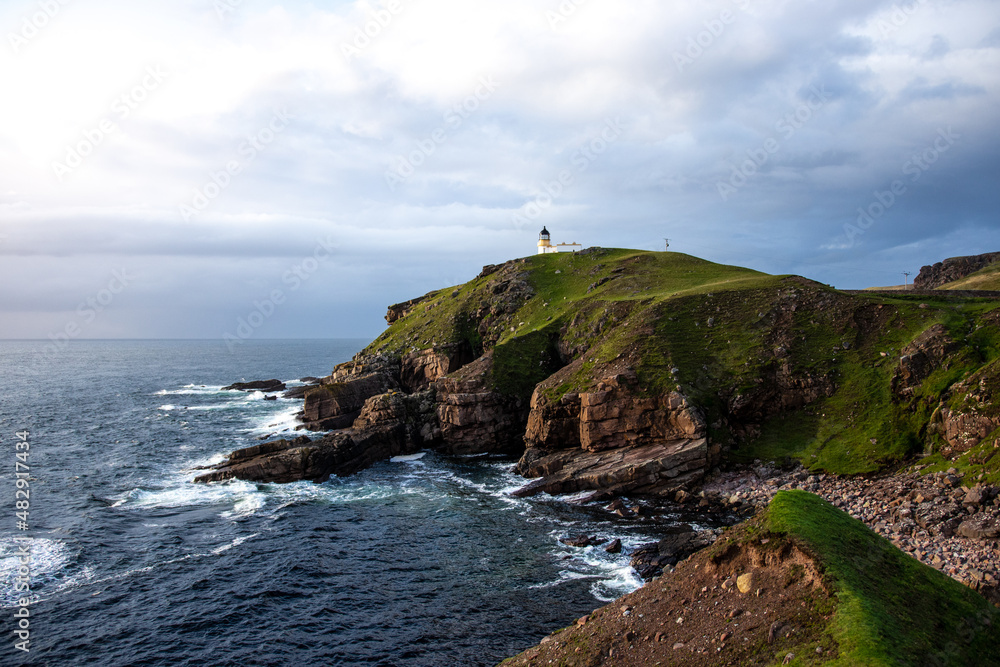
300,391
922,357
400,310
657,469
474,418
613,417
420,369
390,424
338,401
612,439
952,269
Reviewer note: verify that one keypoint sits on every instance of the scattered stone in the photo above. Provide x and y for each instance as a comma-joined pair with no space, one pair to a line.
745,582
678,646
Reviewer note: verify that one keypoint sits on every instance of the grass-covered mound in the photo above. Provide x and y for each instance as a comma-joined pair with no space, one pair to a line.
890,608
782,367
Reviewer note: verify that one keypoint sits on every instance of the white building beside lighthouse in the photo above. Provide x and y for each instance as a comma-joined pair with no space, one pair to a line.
545,245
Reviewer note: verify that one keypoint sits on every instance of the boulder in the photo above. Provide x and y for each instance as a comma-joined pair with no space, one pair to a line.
579,541
980,526
680,542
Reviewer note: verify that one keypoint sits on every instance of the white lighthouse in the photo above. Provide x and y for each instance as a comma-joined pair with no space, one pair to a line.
545,245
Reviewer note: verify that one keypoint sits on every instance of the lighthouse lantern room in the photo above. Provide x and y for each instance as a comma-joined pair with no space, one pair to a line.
546,246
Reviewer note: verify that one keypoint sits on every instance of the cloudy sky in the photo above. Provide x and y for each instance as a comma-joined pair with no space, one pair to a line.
168,168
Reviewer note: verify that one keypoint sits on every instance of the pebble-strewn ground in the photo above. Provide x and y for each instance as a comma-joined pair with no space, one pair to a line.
937,518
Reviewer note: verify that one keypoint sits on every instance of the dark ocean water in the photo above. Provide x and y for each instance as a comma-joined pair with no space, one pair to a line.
426,561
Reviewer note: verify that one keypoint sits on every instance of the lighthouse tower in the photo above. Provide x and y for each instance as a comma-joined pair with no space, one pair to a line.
545,243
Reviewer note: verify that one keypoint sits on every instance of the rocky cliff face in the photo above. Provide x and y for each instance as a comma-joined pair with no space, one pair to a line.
473,417
612,439
952,269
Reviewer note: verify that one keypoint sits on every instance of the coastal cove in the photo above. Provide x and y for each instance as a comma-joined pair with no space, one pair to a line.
427,560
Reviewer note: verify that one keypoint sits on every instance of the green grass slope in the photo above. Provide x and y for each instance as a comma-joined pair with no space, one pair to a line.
783,367
890,608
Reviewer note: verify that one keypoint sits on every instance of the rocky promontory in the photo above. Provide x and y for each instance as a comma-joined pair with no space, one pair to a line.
626,372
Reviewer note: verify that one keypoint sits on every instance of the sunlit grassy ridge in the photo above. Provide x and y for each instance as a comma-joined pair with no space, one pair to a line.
890,608
985,279
727,337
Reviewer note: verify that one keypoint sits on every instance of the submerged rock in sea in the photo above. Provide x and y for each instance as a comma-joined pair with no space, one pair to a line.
257,385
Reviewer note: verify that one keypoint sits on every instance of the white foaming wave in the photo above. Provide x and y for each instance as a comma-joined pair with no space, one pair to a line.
190,389
246,506
615,583
501,492
242,495
281,421
235,543
565,576
333,493
167,408
611,574
49,559
408,458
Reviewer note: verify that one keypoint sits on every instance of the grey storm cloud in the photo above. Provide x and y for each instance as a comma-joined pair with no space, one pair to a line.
750,132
